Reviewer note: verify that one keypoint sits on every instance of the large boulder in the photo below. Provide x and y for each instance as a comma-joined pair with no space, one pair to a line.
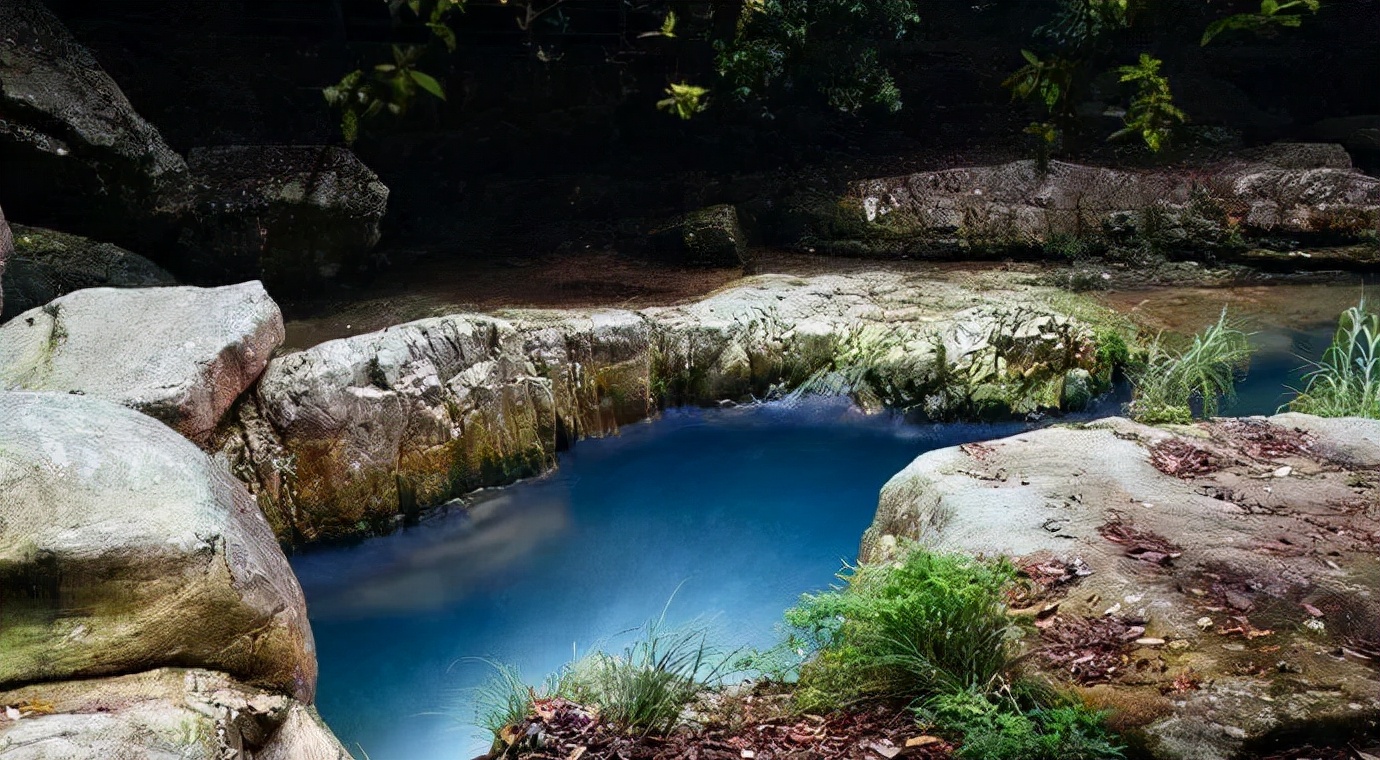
1290,191
292,216
164,714
68,132
125,548
180,354
6,251
1213,585
376,425
712,236
48,264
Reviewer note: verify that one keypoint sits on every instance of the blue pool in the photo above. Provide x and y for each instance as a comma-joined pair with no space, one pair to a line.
747,508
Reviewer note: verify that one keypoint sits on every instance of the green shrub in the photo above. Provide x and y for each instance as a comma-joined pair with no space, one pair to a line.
931,623
1168,381
1346,383
647,686
828,46
1006,730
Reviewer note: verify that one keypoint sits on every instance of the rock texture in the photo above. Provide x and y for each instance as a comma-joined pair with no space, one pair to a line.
67,130
1221,575
289,215
711,236
48,264
125,548
351,435
164,714
180,354
1288,191
6,252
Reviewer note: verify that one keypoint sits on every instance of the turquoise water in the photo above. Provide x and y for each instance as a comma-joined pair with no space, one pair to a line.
747,508
744,509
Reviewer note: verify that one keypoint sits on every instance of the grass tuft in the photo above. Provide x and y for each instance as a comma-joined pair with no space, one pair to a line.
1168,382
930,623
1346,383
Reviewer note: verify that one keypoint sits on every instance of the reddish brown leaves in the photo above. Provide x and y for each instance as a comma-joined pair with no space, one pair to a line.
1182,459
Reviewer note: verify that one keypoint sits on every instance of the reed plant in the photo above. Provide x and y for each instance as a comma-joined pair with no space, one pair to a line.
1346,382
1168,382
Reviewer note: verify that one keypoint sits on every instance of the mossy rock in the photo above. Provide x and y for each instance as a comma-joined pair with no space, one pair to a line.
712,237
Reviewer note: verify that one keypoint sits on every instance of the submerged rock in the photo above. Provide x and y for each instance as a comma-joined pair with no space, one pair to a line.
1212,585
351,435
293,216
49,264
164,714
67,131
180,354
125,548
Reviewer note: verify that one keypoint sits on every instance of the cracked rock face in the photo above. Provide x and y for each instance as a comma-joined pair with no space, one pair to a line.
1291,190
1213,585
180,354
123,547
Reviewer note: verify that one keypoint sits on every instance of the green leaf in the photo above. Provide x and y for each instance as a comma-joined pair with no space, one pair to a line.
1031,57
668,27
445,34
428,83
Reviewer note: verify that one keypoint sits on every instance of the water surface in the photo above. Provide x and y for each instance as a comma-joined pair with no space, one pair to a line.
743,509
747,508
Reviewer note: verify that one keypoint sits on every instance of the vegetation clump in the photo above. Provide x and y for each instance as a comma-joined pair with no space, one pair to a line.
1346,383
1168,383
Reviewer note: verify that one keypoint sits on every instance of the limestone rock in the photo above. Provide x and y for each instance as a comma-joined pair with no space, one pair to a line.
48,264
124,548
67,131
164,714
347,437
1290,190
1206,539
6,251
180,354
377,424
292,216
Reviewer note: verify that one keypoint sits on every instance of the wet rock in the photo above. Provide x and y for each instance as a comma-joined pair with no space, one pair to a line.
6,251
126,548
292,216
67,131
711,236
48,264
1214,564
180,354
164,714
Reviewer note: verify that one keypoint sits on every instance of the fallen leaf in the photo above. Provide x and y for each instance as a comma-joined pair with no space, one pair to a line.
884,750
924,740
1311,610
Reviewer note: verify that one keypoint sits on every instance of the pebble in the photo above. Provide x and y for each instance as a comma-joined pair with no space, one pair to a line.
1204,623
1150,641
